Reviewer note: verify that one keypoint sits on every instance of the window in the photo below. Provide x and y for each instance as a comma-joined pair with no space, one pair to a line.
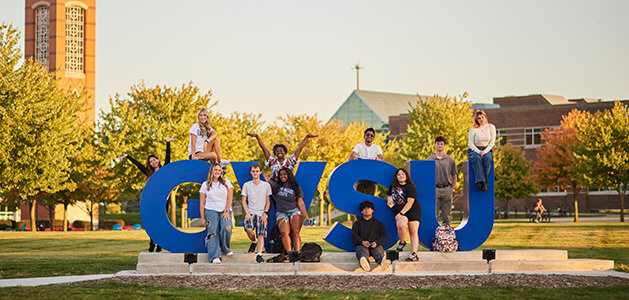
533,137
75,28
42,33
502,136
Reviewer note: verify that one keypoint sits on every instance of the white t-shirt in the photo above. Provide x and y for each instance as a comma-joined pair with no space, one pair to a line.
256,196
216,197
198,146
367,152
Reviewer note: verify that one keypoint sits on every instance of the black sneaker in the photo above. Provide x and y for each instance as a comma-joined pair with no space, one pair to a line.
400,246
413,257
479,186
252,248
259,258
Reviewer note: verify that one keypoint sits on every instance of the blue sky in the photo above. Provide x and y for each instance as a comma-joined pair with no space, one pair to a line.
279,57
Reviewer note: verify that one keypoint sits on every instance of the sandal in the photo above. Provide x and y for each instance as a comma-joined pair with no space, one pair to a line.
400,246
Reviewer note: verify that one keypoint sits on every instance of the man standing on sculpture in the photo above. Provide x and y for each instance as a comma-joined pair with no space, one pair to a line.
445,177
367,150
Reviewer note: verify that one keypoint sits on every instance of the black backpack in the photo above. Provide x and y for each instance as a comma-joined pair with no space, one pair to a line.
275,241
310,252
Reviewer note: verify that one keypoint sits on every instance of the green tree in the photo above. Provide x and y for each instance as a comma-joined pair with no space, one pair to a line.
604,151
450,117
512,174
39,127
140,124
556,163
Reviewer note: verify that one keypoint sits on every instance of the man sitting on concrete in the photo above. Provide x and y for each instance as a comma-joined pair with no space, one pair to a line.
368,235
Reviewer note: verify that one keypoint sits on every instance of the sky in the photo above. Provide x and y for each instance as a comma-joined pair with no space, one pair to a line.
281,57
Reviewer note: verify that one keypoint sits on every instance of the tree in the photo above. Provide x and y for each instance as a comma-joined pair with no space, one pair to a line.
450,117
140,124
604,151
512,174
39,127
556,163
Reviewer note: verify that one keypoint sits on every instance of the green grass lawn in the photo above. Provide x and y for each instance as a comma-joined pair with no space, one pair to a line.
115,290
33,254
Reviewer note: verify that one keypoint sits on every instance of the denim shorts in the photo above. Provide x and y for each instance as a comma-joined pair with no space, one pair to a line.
287,214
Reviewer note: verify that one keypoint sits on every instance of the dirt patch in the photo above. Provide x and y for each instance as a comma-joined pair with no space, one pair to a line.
348,282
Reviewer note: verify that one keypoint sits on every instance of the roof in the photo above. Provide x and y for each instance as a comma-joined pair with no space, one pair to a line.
387,104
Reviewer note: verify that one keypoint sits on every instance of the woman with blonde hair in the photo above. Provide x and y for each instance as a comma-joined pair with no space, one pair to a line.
204,142
216,196
482,138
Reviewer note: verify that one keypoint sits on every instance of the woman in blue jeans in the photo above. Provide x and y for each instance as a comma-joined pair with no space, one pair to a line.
216,195
482,139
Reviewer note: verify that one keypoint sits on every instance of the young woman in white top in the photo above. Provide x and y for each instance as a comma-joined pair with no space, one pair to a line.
481,141
216,195
204,142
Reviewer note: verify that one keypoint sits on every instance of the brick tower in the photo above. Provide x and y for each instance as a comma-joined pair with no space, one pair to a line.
61,35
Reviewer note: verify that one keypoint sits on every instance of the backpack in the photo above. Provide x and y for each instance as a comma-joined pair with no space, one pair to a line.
275,241
445,239
310,252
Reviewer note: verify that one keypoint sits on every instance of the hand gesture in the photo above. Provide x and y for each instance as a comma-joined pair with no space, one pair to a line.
170,139
253,135
366,244
311,136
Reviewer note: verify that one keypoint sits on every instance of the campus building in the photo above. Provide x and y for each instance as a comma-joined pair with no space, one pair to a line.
520,120
61,36
374,108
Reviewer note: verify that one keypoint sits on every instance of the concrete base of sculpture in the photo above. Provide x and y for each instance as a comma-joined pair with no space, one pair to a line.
344,262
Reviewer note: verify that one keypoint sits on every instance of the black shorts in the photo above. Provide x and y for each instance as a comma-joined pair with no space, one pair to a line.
413,214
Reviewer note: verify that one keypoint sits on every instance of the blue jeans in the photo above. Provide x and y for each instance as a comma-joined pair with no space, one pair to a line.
217,243
480,165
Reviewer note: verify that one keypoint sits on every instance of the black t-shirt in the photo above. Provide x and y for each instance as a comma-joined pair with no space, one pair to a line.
400,195
286,198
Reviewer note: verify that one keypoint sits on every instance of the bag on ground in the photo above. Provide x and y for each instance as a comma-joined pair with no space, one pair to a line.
445,239
310,252
275,241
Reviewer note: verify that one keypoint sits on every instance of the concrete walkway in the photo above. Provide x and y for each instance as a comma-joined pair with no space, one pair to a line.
37,281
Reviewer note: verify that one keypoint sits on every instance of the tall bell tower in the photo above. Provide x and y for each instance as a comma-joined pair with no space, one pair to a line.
61,35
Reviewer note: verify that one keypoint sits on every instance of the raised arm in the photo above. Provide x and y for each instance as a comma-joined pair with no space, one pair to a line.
302,145
167,157
266,152
140,167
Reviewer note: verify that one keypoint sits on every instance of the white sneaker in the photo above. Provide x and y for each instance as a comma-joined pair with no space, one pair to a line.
230,253
364,264
224,162
216,260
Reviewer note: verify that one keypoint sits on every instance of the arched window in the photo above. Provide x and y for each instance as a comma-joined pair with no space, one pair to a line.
75,39
42,34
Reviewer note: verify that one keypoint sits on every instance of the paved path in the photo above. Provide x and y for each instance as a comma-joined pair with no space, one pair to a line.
37,281
602,219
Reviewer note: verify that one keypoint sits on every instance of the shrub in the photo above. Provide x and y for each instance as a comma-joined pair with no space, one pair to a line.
58,223
109,224
81,224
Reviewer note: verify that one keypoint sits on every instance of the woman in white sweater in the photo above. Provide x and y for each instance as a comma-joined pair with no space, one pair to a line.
481,140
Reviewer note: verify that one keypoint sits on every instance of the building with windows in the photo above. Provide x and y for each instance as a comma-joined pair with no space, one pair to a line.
520,120
374,108
61,35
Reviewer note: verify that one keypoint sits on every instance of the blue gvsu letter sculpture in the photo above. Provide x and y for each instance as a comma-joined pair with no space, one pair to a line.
472,232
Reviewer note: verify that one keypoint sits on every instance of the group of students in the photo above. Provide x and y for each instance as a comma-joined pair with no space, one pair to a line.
216,193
